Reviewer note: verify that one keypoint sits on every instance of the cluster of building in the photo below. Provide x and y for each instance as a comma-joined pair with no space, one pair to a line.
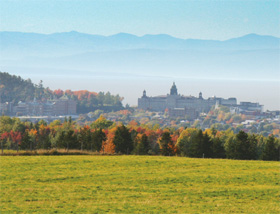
181,106
61,106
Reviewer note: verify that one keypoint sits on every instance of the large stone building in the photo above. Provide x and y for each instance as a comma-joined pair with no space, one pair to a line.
180,105
61,106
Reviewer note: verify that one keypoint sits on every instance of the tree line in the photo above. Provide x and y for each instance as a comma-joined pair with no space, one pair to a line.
108,137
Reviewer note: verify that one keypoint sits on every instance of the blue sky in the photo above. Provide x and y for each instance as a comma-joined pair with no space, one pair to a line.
202,19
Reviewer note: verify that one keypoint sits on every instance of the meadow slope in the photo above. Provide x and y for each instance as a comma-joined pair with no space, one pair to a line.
137,184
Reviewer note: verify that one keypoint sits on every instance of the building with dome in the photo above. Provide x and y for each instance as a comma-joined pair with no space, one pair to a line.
180,105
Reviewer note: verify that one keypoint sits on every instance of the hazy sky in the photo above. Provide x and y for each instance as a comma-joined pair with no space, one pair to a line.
205,19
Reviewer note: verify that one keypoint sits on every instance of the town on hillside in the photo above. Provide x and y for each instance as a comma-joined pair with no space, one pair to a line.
170,110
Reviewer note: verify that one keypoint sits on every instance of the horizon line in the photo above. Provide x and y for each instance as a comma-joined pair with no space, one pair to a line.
139,36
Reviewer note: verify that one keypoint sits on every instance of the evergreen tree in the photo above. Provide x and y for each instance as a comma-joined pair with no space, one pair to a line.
122,140
230,147
26,141
218,148
164,144
196,148
98,137
71,139
252,147
271,149
144,145
141,147
207,146
242,146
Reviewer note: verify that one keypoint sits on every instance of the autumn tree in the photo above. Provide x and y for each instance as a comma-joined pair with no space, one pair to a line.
108,146
33,136
4,138
16,138
101,123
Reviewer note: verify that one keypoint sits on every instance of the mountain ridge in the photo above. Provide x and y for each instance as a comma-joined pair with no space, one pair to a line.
22,44
248,56
145,35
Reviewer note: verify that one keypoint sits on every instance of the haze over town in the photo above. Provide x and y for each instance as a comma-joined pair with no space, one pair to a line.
232,52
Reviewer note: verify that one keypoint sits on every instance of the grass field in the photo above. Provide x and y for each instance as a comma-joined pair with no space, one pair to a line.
137,184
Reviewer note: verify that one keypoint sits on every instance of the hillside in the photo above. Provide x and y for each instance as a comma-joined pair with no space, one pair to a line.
14,89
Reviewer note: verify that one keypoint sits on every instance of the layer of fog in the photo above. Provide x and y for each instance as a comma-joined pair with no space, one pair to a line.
266,92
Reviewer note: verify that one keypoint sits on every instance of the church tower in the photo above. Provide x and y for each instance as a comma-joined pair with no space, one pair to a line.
200,95
173,90
144,94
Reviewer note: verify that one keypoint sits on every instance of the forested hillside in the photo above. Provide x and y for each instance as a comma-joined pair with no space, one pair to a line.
14,89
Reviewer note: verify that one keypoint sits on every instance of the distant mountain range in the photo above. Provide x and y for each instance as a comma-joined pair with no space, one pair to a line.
73,42
250,56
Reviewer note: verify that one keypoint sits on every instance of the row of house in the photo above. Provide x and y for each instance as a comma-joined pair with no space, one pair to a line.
61,106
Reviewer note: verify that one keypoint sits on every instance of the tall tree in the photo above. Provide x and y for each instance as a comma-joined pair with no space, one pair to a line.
196,148
271,149
26,141
207,146
252,147
123,141
165,141
242,146
98,137
218,148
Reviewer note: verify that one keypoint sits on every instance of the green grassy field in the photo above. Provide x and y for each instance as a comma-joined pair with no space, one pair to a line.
137,184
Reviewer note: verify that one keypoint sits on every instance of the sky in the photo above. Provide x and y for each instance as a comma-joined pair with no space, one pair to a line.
199,19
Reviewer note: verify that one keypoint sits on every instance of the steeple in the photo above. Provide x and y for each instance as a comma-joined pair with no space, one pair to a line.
144,94
173,90
200,95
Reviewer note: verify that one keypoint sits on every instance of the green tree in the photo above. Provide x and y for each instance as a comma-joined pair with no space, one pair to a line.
242,146
122,140
165,141
271,149
230,147
84,138
141,146
218,148
144,145
252,147
98,136
207,146
26,141
196,148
